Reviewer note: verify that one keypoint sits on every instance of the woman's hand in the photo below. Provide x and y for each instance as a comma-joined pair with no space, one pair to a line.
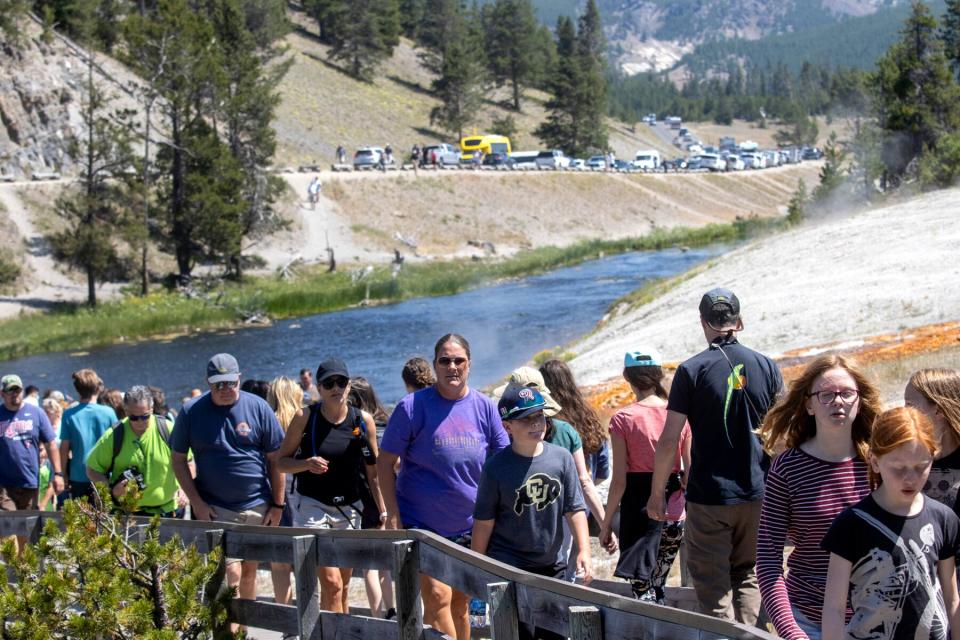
317,465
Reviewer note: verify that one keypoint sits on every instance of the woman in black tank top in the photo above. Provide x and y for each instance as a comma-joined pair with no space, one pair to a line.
331,449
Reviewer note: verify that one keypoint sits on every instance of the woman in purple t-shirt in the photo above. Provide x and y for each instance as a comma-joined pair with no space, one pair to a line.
442,435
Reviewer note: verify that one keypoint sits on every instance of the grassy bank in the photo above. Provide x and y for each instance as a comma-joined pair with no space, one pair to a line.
163,313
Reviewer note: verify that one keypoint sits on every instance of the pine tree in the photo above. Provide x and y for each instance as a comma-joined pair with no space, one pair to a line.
103,576
950,33
11,11
916,94
578,86
797,204
510,29
96,211
443,24
245,106
362,33
411,16
831,174
460,85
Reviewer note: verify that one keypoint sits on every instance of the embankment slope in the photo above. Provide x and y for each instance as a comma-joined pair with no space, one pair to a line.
838,280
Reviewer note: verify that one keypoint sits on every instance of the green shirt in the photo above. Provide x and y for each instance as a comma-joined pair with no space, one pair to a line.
148,453
564,435
44,482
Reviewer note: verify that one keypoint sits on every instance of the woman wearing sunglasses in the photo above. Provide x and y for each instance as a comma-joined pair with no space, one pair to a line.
825,422
442,435
331,448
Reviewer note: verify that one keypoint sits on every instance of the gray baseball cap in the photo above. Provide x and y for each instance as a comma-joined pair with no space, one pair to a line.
223,367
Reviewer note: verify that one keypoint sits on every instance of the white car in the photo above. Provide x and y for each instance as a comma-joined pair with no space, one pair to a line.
553,159
578,163
712,161
735,163
597,162
754,160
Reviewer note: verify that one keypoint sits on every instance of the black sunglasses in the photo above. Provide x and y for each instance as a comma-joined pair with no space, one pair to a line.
139,418
444,361
333,381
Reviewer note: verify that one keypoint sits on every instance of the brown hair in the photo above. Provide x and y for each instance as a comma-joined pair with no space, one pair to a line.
789,424
646,377
559,380
364,397
897,427
86,382
455,338
418,374
113,398
942,388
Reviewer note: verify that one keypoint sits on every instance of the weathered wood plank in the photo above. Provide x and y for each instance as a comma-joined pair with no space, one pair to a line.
406,577
266,615
356,553
350,627
217,583
502,603
23,526
585,623
446,561
264,547
305,573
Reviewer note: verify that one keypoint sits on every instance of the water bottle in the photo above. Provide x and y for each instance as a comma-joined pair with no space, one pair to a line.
478,613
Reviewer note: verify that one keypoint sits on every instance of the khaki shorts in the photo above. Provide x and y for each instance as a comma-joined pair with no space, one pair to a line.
18,499
314,514
253,515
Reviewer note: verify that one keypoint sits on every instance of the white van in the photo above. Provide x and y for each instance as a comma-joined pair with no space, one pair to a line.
646,160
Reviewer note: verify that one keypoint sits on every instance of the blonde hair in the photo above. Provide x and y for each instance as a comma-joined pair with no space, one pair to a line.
898,427
286,398
50,405
788,422
942,388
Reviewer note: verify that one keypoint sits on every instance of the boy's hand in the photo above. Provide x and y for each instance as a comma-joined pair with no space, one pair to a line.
584,567
609,541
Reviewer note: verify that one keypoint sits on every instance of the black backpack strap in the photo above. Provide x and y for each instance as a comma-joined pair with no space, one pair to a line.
163,426
117,445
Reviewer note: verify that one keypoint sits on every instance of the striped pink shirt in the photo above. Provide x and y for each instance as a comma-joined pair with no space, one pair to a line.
802,497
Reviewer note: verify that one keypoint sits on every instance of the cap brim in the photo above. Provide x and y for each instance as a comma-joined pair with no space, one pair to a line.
527,412
225,377
330,374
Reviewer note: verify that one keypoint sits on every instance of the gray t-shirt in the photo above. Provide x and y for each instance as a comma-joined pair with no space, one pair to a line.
527,498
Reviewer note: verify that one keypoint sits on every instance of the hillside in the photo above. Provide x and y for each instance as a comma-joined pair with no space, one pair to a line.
837,281
323,107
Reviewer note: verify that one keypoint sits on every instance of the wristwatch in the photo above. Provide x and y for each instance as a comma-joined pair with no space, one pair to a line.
274,505
58,473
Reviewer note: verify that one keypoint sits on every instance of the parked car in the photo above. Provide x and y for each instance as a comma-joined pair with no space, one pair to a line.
552,159
597,162
646,160
693,163
497,159
677,164
441,154
367,157
578,163
773,158
735,163
712,161
754,160
621,165
524,159
811,153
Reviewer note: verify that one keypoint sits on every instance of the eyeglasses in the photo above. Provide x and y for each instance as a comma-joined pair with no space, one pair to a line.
444,361
139,418
224,384
338,381
13,390
847,396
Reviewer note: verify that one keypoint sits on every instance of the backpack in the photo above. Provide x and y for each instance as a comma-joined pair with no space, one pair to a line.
118,438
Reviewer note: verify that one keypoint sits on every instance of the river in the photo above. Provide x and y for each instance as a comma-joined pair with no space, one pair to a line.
506,324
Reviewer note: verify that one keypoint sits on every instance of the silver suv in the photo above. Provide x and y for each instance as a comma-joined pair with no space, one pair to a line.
445,155
367,158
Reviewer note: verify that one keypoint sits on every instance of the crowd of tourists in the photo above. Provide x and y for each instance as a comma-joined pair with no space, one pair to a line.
724,459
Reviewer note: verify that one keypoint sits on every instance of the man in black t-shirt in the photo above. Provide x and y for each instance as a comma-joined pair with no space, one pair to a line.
723,392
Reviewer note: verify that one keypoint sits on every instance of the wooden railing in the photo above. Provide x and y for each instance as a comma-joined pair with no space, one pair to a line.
512,595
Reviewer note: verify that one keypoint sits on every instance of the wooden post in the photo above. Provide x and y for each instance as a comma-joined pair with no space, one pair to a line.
585,623
406,576
502,600
305,573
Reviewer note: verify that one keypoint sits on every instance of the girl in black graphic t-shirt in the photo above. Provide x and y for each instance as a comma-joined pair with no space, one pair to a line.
936,394
331,449
893,553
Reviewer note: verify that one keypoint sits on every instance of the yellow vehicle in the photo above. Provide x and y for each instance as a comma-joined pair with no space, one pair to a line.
487,143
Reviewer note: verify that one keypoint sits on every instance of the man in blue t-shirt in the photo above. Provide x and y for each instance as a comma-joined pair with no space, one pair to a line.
231,433
724,392
23,428
82,426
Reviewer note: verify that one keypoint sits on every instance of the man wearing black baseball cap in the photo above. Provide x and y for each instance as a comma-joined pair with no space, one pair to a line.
231,433
724,392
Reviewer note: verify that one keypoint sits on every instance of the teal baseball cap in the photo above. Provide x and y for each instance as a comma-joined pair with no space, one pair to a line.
642,357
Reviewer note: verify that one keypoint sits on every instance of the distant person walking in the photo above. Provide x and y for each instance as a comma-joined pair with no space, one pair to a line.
341,155
83,425
724,392
313,192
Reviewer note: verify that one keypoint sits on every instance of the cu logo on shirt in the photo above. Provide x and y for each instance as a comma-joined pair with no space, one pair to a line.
540,491
243,430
